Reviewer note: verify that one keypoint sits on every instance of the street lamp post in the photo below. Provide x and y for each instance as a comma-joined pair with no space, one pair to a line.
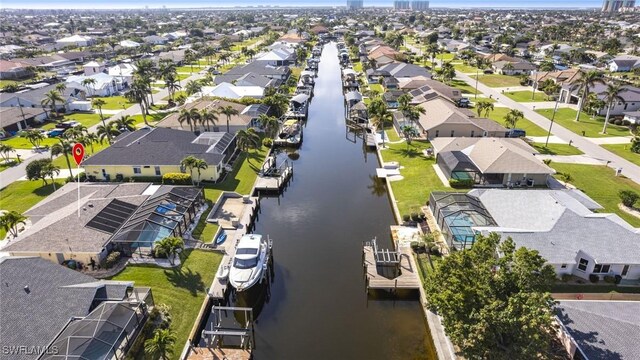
555,108
535,85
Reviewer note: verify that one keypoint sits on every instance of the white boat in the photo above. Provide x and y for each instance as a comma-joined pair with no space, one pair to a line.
223,272
249,262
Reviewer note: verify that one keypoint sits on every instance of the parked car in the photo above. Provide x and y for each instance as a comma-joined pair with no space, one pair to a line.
464,102
55,132
516,133
68,124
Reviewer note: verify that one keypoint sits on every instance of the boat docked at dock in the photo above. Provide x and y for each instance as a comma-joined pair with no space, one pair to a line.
250,262
290,134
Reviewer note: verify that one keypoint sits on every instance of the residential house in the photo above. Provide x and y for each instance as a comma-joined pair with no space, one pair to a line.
632,117
92,68
563,227
431,89
155,40
248,79
490,161
129,44
105,85
272,72
624,63
153,152
401,70
278,57
562,77
15,119
13,70
513,68
247,116
630,95
599,329
50,311
33,98
124,72
383,55
230,91
390,97
76,40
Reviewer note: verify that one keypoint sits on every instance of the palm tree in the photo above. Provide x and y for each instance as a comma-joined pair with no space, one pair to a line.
90,83
247,139
611,96
193,87
124,123
512,118
484,106
169,247
379,115
107,132
35,137
228,111
190,116
189,163
172,85
278,102
409,133
50,99
138,94
208,116
586,81
99,103
160,346
200,165
51,170
62,148
61,87
10,221
145,70
433,50
5,150
92,138
269,124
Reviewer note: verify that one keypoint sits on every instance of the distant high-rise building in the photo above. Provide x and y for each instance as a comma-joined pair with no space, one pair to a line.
354,4
616,5
401,5
419,5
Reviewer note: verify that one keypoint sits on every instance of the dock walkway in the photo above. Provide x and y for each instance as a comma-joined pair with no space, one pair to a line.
201,353
408,278
274,183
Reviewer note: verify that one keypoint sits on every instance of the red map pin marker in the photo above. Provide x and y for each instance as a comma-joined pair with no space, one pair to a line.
78,153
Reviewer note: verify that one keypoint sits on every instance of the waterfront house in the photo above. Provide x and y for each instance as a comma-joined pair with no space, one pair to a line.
430,89
46,306
13,70
513,67
230,91
490,161
560,224
153,152
104,84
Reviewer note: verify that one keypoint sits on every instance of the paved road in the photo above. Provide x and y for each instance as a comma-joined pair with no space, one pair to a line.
589,147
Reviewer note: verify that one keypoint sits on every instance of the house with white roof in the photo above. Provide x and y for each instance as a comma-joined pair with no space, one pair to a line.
279,56
560,224
105,85
92,68
124,72
76,40
129,44
230,91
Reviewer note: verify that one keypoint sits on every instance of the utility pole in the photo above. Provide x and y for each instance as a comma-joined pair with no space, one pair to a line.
552,118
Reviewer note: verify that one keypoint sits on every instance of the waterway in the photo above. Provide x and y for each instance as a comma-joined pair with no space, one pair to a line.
318,308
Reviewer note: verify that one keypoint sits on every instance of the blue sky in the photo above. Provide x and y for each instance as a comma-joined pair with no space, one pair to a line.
112,4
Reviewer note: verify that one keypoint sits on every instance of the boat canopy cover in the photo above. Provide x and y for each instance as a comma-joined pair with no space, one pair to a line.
359,106
307,73
348,71
290,122
353,95
300,98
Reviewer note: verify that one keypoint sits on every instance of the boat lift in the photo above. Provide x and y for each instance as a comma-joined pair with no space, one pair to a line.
244,332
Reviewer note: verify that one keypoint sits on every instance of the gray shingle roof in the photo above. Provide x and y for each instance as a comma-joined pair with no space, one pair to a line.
603,329
34,317
158,146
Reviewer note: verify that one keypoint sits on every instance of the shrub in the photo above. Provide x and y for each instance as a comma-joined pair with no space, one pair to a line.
435,250
547,161
628,197
145,179
617,279
461,183
565,277
112,259
609,279
267,142
176,179
406,218
415,217
617,122
594,278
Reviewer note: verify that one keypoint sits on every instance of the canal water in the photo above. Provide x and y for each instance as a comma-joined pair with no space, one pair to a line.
318,308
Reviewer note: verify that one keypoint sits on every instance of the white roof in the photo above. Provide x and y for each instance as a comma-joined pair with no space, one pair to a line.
129,43
75,38
230,91
102,79
92,64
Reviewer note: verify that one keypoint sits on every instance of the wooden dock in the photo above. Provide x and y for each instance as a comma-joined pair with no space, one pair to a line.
203,353
274,183
408,278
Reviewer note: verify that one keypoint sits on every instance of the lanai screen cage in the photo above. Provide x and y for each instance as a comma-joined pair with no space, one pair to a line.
456,215
164,214
106,333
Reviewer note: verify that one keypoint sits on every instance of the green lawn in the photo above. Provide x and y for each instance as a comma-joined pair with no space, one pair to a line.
175,95
181,77
243,176
498,80
151,118
623,150
557,149
357,67
377,87
183,288
85,119
187,69
464,87
525,96
591,127
601,184
115,103
467,69
18,142
205,230
420,179
532,129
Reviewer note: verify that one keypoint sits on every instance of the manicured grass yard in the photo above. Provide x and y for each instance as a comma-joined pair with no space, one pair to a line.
601,184
498,80
182,288
114,103
532,129
86,119
557,149
525,96
467,69
420,179
357,66
464,87
377,87
187,69
623,150
592,128
18,142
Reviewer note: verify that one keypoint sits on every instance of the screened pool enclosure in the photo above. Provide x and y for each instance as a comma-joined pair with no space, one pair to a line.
456,215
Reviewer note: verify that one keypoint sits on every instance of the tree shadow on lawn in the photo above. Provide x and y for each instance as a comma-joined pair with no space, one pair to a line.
185,279
408,152
47,190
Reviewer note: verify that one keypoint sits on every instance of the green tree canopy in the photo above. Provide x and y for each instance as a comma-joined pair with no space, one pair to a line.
494,301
